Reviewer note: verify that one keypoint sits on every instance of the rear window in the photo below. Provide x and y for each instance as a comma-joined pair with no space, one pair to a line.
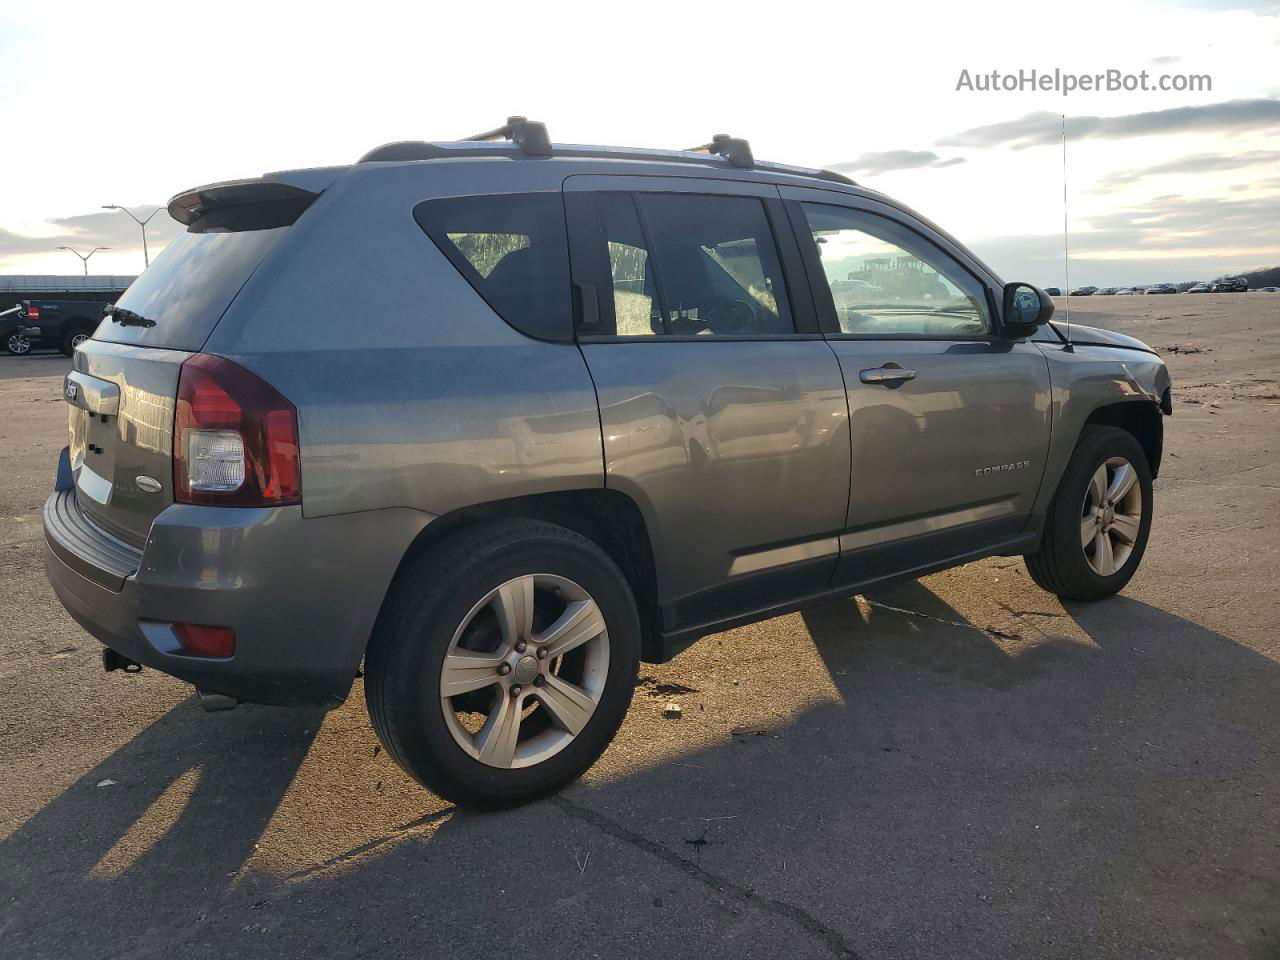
512,249
189,286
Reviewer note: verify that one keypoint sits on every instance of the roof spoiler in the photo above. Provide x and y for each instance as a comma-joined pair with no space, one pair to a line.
191,205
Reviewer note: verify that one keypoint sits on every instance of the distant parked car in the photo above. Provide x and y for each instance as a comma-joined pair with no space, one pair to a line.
1230,285
1084,291
1106,292
1201,288
64,324
1126,292
1258,290
1162,288
1053,291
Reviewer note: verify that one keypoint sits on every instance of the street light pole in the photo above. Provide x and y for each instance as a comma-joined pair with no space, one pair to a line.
146,259
84,257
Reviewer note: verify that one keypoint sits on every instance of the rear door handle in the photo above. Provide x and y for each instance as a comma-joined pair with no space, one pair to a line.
886,375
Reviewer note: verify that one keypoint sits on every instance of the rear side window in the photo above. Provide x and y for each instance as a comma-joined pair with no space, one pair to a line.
512,249
636,309
692,265
717,266
189,286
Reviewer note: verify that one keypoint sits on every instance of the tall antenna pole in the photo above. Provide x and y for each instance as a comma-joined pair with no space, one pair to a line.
1066,251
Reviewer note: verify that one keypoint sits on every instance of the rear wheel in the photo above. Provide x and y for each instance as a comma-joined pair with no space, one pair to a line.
73,338
503,662
17,344
1098,523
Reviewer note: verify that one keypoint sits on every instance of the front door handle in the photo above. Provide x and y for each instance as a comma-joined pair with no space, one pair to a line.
886,374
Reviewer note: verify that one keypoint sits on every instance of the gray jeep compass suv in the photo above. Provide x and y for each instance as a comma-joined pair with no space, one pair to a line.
497,419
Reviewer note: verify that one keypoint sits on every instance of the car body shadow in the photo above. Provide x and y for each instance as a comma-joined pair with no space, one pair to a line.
164,822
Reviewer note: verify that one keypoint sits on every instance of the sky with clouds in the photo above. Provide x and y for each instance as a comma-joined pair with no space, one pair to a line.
131,102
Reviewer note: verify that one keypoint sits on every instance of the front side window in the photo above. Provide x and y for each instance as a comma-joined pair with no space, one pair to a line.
887,281
692,265
512,249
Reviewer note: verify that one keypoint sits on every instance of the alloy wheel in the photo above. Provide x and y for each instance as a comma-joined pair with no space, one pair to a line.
19,344
525,671
1111,516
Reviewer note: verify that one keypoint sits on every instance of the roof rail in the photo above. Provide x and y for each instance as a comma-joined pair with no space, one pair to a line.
734,149
529,135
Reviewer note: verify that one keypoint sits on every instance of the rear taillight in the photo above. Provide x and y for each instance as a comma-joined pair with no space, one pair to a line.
235,438
32,312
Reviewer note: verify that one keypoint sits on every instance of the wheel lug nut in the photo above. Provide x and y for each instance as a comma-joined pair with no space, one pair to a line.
504,669
542,653
515,691
521,647
537,681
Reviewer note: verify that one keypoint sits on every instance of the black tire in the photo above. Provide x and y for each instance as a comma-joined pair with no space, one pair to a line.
1061,565
428,602
68,345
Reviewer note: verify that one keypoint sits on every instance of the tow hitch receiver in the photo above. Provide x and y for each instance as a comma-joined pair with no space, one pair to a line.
116,661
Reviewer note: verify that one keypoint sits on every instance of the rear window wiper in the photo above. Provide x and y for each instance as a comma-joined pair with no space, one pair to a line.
127,318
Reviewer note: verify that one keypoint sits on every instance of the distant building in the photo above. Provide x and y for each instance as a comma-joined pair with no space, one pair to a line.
33,286
902,277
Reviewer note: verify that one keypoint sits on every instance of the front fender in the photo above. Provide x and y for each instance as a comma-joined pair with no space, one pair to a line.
1084,380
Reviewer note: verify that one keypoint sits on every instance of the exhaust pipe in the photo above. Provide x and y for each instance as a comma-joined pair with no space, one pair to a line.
118,661
213,702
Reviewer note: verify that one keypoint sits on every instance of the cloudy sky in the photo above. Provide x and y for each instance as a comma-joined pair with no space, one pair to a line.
130,102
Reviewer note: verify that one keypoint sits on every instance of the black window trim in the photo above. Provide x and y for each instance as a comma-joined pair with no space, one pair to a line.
821,290
589,267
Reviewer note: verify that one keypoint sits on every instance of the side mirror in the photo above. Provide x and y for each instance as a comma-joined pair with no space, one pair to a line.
1025,308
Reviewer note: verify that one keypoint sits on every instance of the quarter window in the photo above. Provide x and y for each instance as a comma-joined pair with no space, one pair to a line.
512,249
887,281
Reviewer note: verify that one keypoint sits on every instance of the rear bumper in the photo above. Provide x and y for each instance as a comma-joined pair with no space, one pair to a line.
301,594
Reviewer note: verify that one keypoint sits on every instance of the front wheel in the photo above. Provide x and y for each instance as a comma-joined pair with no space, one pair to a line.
17,344
503,662
1098,523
